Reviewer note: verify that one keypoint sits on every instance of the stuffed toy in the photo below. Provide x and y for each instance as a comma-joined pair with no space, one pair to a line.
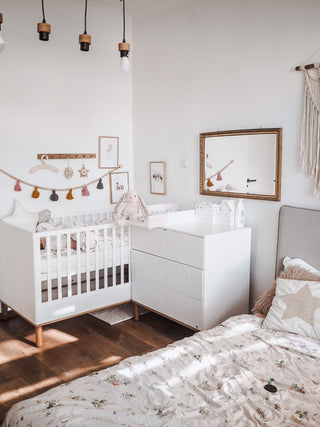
130,207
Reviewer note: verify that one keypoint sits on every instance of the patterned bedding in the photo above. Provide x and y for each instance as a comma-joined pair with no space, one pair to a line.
213,378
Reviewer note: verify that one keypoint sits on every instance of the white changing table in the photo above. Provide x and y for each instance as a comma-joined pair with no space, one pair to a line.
196,274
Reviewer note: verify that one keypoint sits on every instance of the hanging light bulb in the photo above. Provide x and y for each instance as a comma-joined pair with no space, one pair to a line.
2,45
124,47
44,29
85,39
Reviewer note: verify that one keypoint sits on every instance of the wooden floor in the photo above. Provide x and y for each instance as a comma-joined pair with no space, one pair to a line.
72,348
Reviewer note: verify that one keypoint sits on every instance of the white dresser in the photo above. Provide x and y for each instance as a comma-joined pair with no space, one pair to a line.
196,274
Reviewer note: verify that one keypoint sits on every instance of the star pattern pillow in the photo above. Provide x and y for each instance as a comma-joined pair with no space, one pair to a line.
295,308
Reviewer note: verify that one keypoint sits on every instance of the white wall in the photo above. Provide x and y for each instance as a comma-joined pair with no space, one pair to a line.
214,65
55,98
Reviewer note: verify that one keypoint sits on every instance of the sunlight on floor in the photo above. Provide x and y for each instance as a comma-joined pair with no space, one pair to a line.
112,360
53,337
22,391
11,349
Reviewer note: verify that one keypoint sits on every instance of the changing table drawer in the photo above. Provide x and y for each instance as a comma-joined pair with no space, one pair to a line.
161,272
169,244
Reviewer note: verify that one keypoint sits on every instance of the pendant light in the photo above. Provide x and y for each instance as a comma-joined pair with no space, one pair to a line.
2,45
44,29
124,47
85,39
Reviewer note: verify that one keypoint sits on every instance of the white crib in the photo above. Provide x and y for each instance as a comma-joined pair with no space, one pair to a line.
44,286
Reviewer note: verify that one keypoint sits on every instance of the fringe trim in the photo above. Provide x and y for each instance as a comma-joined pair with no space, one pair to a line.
310,133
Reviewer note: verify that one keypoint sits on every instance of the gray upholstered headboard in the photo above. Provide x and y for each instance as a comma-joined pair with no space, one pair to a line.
298,236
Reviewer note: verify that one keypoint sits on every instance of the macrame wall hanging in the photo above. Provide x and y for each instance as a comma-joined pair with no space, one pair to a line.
309,160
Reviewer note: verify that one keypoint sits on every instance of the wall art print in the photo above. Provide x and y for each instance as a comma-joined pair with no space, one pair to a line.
119,185
158,177
108,152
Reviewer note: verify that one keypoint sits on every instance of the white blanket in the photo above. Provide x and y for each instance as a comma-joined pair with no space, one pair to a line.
213,378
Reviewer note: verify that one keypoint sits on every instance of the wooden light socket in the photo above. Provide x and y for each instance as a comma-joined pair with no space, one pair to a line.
44,27
124,46
84,38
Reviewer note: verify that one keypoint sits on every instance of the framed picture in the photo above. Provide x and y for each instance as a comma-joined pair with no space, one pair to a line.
108,152
158,177
119,184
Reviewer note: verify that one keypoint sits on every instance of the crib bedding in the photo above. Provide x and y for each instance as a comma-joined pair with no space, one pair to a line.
213,378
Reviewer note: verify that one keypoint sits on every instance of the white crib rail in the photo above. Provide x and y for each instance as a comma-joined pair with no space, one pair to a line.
96,271
85,217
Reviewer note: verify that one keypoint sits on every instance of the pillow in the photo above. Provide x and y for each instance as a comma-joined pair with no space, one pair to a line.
295,272
21,218
297,262
295,308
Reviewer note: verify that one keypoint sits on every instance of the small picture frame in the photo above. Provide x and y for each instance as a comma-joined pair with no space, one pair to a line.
119,185
108,152
158,177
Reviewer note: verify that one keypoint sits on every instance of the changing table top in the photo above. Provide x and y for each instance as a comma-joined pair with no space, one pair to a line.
200,229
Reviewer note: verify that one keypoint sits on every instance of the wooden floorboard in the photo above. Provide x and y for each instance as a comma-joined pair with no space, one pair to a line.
72,348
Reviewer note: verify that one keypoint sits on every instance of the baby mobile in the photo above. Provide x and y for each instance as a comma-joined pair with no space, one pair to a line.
217,174
54,196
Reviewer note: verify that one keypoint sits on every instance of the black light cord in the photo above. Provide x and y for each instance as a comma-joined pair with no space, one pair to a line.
85,16
124,20
43,15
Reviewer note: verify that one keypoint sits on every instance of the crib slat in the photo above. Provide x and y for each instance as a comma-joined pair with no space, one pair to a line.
59,265
69,264
105,257
96,236
87,260
49,280
114,256
78,264
121,255
129,253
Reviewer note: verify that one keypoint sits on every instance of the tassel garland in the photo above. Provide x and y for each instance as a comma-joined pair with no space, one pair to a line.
35,193
209,183
69,195
219,177
100,185
85,191
17,187
54,196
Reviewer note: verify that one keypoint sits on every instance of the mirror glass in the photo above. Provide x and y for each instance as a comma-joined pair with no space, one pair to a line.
241,163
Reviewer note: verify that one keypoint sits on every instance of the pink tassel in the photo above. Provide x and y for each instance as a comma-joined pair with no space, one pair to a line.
219,177
85,191
17,187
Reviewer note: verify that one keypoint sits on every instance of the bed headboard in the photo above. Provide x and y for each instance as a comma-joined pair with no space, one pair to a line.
298,236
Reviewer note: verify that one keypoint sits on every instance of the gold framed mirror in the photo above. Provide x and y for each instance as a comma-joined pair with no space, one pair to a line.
242,163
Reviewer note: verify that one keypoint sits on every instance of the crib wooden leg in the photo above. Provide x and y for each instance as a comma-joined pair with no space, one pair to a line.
4,311
39,339
136,311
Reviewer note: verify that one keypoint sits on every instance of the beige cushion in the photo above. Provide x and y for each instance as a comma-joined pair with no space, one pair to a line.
295,272
295,308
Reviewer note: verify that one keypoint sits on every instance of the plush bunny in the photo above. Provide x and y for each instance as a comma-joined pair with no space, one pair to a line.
130,207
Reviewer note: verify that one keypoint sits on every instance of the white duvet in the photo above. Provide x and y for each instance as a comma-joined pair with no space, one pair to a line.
213,378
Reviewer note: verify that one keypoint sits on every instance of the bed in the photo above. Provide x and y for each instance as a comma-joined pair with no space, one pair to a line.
238,373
